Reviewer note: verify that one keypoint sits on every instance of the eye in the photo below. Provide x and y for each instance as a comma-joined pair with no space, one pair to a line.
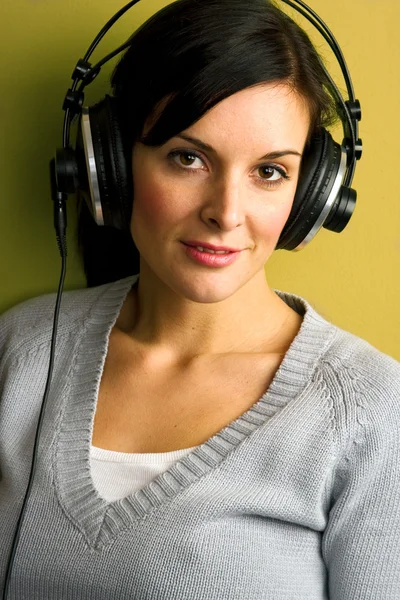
189,156
276,175
272,173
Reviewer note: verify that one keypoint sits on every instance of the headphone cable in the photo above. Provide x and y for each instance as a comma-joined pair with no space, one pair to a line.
60,223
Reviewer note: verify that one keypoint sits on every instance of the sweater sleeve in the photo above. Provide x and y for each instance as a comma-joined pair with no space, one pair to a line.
361,543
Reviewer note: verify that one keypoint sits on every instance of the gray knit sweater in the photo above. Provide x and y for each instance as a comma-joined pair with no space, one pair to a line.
297,499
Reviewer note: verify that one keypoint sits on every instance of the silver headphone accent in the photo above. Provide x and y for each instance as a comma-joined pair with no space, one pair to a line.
329,203
91,167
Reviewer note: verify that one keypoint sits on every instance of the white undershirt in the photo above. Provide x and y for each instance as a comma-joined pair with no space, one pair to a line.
118,474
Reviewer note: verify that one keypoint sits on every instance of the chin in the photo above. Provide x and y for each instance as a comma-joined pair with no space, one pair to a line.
208,289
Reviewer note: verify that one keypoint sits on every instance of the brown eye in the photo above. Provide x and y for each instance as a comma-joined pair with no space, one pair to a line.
186,155
188,158
271,173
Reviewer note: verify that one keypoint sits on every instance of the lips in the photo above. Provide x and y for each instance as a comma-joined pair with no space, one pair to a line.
195,244
211,259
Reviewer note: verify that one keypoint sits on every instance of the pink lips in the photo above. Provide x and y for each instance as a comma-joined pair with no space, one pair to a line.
211,260
210,246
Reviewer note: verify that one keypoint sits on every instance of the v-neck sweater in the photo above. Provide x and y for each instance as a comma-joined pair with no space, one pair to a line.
297,499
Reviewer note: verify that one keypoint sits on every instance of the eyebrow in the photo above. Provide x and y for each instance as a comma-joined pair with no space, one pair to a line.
204,146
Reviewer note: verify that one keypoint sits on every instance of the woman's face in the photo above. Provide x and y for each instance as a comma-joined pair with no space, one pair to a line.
225,196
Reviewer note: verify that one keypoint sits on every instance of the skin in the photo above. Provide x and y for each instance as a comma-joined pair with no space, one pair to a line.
180,309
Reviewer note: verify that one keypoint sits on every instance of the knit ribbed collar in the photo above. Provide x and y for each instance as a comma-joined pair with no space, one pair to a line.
100,521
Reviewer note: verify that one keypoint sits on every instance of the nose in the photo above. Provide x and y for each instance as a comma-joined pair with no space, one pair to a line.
225,206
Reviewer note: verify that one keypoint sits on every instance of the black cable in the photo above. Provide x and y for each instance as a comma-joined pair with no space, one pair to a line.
39,427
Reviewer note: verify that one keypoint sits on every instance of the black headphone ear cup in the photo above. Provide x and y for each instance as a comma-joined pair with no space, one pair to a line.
112,163
318,171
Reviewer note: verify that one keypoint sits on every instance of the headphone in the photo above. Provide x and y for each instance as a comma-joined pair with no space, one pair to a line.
99,167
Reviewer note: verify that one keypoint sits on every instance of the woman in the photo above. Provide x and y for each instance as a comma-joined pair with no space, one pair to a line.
206,435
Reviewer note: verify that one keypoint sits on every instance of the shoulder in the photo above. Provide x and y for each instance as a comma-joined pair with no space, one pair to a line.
363,384
344,362
360,382
30,323
348,361
358,357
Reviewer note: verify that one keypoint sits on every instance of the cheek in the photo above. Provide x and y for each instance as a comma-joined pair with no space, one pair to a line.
157,211
149,204
275,217
148,194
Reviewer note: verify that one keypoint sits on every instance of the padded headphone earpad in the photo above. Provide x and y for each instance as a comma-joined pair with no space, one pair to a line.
319,168
112,163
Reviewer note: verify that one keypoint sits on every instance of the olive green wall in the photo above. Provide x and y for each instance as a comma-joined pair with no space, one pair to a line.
351,278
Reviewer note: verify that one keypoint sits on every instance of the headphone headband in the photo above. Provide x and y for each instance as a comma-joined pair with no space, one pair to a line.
349,111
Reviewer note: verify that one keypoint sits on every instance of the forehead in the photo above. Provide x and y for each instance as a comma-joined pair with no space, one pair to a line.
264,114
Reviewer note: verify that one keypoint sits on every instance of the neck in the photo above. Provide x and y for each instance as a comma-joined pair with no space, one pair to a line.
177,329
